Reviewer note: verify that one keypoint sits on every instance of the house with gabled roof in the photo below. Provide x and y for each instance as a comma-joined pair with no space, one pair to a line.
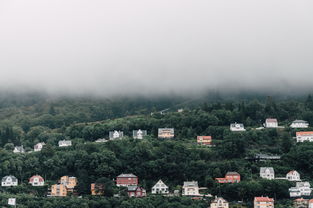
37,180
301,189
219,202
267,173
166,133
116,134
136,191
204,140
293,176
300,203
160,188
139,134
9,181
65,143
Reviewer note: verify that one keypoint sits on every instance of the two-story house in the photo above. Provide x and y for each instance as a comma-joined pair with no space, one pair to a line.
271,123
267,173
37,180
263,202
219,202
237,127
160,188
299,124
166,133
230,177
293,176
9,181
190,188
204,140
304,136
126,180
116,135
136,191
301,189
139,134
38,147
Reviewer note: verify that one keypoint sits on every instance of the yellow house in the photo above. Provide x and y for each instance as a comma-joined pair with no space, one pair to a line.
58,190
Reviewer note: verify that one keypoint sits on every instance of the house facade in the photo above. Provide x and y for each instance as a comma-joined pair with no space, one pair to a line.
191,188
301,203
37,180
237,127
136,191
97,189
38,147
230,177
219,202
267,173
293,176
58,190
299,124
19,149
204,140
9,181
160,188
115,134
65,143
126,180
69,182
139,134
304,136
271,123
166,133
263,202
301,189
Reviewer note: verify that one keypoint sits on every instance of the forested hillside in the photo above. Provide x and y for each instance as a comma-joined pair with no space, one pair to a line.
174,161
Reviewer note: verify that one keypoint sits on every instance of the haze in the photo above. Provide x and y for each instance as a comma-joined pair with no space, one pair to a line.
116,47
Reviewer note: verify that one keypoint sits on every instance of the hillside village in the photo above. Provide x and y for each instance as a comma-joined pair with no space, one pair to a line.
261,178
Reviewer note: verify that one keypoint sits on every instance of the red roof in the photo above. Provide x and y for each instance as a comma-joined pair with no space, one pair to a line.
311,201
304,133
263,199
36,176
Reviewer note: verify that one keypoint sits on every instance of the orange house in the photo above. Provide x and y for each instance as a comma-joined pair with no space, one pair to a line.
58,190
204,140
230,177
97,189
69,182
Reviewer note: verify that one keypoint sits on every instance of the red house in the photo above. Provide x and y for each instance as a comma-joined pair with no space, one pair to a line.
136,191
126,180
204,140
230,177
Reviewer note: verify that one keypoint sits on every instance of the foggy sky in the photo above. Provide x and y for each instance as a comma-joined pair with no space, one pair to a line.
111,47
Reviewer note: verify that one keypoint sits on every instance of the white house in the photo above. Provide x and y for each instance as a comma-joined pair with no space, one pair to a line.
37,180
301,189
139,134
19,149
299,124
311,203
38,147
65,143
237,127
9,181
293,176
160,188
304,136
271,123
267,173
190,188
115,134
219,202
100,140
166,133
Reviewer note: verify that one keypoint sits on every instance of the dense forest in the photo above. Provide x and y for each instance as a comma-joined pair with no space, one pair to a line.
32,119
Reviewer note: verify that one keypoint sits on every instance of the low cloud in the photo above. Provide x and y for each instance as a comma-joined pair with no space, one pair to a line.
156,47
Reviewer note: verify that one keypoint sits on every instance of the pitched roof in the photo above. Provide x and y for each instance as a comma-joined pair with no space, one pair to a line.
130,175
14,179
36,176
304,133
132,188
263,199
263,169
236,125
217,199
292,172
273,120
299,121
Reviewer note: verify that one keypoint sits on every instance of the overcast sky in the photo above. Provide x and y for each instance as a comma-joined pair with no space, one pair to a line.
156,46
